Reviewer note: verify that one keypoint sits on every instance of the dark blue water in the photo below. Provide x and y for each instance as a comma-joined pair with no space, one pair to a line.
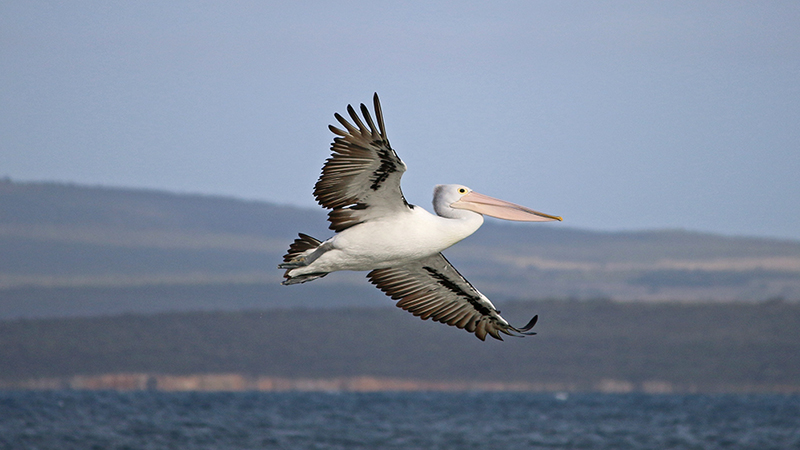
158,420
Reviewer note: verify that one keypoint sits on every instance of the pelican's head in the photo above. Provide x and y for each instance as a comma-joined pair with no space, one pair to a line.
455,196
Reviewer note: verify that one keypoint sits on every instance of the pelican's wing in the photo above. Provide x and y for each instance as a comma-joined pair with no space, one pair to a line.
433,288
361,179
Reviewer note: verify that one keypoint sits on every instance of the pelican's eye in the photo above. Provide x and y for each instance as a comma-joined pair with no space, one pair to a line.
462,190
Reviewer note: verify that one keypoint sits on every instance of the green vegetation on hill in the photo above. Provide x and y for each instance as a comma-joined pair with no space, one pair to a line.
688,346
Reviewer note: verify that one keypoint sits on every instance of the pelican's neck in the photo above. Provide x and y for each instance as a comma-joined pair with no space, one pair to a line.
458,224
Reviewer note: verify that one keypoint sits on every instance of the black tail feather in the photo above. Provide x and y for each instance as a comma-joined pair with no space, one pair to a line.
296,257
300,246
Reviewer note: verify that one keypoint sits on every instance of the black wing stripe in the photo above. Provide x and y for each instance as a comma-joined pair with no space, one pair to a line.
433,289
452,287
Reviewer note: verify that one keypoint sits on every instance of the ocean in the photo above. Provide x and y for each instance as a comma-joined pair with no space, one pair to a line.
474,420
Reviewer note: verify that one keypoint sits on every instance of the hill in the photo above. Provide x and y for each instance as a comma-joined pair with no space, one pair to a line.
95,250
581,345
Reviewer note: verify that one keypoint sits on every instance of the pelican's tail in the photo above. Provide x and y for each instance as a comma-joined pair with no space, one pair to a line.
298,256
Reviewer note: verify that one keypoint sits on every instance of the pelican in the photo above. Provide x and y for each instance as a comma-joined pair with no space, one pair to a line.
400,244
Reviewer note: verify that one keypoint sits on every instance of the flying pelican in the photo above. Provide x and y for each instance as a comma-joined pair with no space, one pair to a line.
399,243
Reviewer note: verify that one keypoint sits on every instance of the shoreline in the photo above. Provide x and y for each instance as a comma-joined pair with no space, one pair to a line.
233,382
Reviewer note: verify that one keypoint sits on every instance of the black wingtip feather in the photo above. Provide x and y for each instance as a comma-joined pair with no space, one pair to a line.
526,329
337,131
379,115
357,120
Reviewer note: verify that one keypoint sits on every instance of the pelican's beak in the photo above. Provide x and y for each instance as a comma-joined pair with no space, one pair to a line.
483,204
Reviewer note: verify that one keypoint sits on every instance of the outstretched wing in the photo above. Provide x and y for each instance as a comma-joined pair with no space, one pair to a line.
361,179
433,288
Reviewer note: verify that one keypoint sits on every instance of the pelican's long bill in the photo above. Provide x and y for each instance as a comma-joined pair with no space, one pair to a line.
483,204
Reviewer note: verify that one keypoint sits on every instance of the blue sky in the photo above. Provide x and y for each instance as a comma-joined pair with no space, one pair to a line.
615,115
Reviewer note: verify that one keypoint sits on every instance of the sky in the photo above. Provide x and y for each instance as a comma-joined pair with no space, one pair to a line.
615,115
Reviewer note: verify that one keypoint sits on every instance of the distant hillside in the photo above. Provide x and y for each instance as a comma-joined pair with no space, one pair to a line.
57,240
590,345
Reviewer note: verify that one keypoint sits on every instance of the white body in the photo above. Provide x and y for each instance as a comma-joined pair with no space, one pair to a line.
390,241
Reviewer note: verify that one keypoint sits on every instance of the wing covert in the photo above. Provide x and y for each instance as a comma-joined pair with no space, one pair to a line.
361,179
433,289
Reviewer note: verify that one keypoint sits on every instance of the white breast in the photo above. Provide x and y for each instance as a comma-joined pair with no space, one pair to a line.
394,240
